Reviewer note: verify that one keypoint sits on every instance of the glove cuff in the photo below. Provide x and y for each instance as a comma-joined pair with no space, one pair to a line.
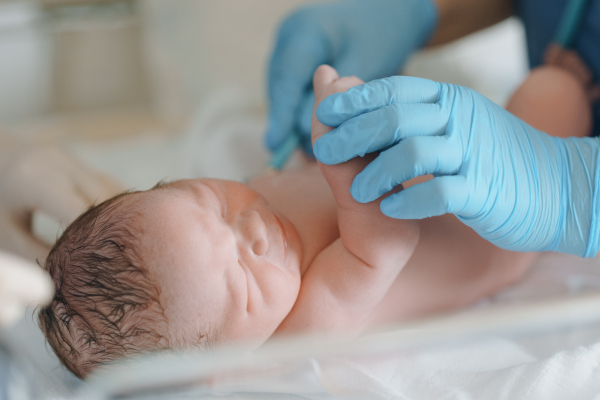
593,245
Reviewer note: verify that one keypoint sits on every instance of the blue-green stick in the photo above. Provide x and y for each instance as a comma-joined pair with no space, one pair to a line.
284,152
570,22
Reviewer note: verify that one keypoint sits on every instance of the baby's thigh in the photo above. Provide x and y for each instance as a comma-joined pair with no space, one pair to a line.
554,101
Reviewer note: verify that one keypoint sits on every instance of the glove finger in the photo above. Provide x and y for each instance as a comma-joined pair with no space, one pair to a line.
408,159
380,129
440,195
305,113
340,107
295,59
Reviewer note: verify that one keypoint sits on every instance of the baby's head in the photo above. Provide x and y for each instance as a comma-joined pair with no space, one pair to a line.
187,264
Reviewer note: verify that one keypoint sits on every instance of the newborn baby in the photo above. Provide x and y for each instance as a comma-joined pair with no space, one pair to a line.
198,263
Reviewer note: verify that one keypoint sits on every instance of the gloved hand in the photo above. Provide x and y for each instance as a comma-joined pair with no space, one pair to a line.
47,179
24,284
367,38
517,187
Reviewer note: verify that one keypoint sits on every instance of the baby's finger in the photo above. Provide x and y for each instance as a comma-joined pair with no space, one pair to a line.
324,75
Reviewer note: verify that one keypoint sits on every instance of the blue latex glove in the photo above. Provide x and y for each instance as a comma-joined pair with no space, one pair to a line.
367,38
517,187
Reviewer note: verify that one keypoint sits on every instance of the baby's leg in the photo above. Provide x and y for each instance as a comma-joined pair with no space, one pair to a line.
554,101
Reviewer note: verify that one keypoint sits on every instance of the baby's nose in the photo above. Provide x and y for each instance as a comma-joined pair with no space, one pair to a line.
253,231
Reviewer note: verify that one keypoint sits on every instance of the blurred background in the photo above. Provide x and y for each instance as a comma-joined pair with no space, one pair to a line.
112,80
155,59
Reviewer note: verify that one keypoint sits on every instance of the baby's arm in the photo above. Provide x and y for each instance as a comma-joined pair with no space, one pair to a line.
348,279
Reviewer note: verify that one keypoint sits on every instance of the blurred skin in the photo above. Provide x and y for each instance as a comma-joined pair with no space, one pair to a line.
37,178
48,179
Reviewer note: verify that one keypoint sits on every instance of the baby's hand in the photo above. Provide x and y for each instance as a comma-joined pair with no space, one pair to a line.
365,231
326,81
348,279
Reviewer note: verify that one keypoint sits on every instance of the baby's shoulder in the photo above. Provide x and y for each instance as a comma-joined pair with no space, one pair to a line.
304,197
304,188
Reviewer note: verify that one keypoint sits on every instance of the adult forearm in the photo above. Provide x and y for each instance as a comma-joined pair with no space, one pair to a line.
458,18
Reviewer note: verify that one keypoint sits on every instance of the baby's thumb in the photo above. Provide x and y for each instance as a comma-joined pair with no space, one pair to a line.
323,76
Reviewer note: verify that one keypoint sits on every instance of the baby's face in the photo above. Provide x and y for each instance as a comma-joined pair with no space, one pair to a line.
226,262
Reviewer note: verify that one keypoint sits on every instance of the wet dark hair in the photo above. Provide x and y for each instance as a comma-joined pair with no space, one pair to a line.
105,306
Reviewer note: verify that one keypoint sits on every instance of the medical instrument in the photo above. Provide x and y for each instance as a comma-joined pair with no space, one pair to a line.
571,20
283,153
350,35
517,187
